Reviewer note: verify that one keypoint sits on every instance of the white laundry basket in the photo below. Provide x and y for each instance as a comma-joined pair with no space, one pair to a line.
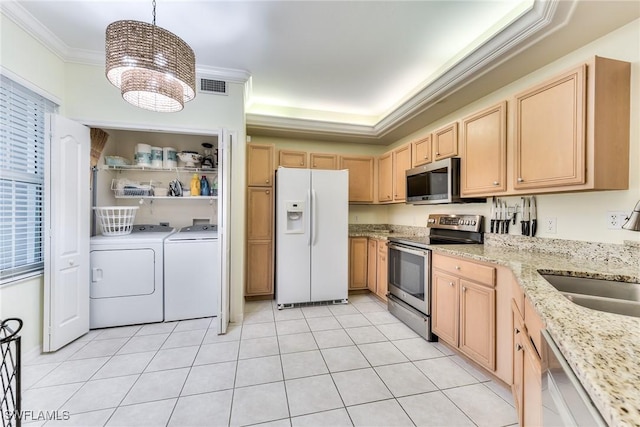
116,220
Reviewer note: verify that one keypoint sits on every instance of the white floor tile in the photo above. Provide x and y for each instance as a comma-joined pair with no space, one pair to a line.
173,358
258,330
218,352
365,334
208,378
444,349
72,371
303,364
31,374
48,398
287,327
297,342
259,347
482,405
381,317
434,410
258,317
360,386
210,409
445,373
100,394
193,324
475,372
382,353
125,364
316,311
286,422
233,334
312,394
502,391
260,403
143,414
342,309
334,418
344,358
288,314
323,323
370,307
396,331
332,338
353,320
404,379
157,386
60,355
157,328
85,419
417,349
184,339
140,344
259,370
99,348
386,413
254,306
119,332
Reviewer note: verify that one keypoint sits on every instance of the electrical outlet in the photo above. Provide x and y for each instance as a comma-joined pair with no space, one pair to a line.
356,219
550,226
615,219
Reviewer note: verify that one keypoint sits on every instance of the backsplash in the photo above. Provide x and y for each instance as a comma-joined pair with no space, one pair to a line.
625,254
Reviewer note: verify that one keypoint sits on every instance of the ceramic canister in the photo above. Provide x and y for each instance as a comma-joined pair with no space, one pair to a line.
142,155
156,157
169,158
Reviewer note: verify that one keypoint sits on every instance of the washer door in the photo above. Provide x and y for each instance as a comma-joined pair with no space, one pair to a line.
122,273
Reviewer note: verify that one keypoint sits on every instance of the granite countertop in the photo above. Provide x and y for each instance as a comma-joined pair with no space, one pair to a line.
379,234
603,349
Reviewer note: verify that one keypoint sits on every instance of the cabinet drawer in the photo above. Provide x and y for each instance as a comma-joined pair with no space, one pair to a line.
479,273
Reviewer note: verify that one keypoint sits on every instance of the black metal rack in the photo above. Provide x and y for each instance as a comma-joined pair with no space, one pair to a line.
10,405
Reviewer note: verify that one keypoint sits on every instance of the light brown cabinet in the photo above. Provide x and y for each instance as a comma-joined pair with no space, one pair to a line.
372,265
361,177
323,161
572,132
259,267
401,162
292,159
421,151
260,165
464,311
382,269
445,142
484,152
357,263
385,177
259,213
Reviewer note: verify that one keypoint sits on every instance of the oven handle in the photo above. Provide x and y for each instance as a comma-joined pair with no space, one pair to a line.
414,251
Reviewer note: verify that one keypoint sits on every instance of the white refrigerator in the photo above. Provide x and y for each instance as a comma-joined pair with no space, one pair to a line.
312,235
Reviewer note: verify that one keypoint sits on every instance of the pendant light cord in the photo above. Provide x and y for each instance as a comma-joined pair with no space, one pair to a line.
154,12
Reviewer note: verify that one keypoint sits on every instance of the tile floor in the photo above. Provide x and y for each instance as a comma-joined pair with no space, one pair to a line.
337,365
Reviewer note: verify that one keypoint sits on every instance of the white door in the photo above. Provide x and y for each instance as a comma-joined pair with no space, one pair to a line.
224,215
67,219
329,235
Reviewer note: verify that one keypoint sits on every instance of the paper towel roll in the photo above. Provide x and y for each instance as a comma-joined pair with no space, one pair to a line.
156,157
169,158
142,155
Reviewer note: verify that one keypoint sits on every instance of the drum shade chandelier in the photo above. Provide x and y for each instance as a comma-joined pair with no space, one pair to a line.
153,68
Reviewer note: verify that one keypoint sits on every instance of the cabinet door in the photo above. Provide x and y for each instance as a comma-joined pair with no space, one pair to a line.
550,133
372,263
519,333
360,177
357,263
259,213
477,323
292,159
259,268
444,307
383,268
385,177
401,162
532,386
484,150
323,161
421,150
445,142
259,165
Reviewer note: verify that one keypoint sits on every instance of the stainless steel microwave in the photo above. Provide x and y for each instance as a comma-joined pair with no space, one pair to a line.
436,183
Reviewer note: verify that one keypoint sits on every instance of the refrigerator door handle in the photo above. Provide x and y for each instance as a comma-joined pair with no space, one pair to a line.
309,229
314,219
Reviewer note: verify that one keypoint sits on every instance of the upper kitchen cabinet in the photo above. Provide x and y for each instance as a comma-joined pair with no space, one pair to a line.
361,170
323,161
572,132
260,165
422,151
292,159
401,162
385,177
445,142
484,152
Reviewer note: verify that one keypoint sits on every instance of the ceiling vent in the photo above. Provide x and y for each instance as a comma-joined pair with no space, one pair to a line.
218,87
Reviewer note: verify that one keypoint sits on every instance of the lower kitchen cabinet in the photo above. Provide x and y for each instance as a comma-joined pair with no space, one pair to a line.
372,265
463,307
382,269
259,268
357,263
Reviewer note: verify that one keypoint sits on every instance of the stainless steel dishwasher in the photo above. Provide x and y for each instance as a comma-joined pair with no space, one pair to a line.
565,402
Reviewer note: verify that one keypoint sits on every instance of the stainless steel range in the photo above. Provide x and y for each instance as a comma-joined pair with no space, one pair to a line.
409,297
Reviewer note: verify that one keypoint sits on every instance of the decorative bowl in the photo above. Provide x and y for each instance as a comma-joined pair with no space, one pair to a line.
190,158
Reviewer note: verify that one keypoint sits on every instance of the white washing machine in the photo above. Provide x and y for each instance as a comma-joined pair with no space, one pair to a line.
192,273
127,282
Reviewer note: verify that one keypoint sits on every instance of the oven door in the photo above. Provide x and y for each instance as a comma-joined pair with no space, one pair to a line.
409,276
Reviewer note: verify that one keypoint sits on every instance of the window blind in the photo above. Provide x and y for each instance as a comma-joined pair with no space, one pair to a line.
22,174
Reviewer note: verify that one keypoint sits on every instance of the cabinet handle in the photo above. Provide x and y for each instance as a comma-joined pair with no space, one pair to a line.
425,157
450,283
457,267
518,347
266,181
267,191
495,183
437,154
301,163
516,330
315,166
520,180
464,289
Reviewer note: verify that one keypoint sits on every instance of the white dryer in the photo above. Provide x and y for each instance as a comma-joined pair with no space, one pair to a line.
127,282
192,273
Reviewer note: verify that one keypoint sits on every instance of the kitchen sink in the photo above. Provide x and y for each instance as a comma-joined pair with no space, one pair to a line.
598,294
